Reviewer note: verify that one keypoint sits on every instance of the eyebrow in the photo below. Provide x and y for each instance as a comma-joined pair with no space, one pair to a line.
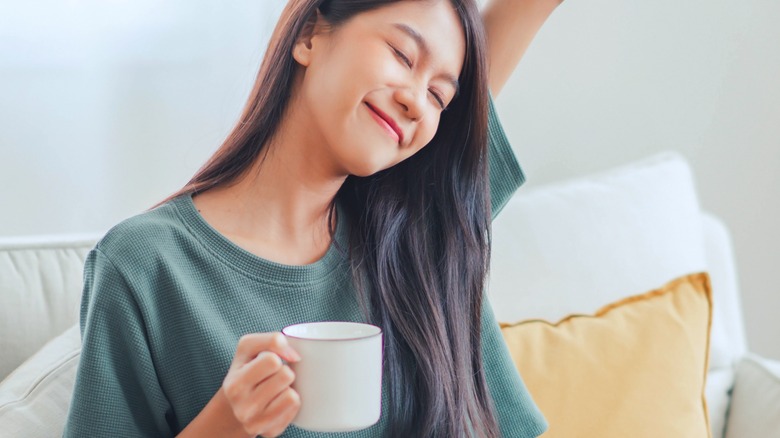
420,40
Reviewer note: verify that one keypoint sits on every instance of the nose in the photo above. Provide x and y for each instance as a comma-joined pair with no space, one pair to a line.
412,101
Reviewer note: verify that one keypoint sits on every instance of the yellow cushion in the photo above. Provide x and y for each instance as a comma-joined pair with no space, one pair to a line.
636,368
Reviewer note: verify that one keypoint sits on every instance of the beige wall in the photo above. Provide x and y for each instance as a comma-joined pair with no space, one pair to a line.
108,107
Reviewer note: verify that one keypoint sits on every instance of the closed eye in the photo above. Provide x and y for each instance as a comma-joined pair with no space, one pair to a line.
402,56
406,60
439,99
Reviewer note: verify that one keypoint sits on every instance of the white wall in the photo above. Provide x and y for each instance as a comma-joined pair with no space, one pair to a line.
107,107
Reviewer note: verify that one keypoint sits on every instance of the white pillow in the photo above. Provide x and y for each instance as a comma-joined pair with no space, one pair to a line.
574,246
35,398
755,400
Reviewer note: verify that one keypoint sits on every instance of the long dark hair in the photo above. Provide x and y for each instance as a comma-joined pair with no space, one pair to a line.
419,232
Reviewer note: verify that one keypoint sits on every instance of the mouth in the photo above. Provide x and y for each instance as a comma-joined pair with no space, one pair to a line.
387,123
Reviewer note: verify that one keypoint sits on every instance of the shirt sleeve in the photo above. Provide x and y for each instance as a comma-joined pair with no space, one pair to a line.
518,414
117,392
506,176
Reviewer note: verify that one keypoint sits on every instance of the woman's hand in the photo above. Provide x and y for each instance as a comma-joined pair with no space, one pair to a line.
257,385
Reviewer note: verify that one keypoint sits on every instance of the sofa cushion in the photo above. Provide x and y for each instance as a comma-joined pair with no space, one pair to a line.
40,290
34,399
636,367
755,400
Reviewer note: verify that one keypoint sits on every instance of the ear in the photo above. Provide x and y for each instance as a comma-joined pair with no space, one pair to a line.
302,51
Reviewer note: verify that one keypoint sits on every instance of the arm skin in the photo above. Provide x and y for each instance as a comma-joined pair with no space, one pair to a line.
510,26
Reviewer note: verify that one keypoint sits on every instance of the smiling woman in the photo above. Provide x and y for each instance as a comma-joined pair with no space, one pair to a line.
406,81
358,185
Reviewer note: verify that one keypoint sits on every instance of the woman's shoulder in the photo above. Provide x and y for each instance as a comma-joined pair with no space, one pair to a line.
146,234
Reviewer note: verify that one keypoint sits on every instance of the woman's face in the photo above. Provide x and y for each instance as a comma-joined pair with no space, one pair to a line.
372,65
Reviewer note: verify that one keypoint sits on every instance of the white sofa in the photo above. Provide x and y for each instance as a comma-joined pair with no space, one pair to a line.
562,248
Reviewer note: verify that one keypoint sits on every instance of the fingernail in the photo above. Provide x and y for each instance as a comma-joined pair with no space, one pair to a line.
292,354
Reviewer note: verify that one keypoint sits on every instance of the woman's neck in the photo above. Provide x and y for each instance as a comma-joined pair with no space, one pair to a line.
279,208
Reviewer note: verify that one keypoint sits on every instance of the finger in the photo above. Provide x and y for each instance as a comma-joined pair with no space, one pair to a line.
250,345
281,411
262,367
270,388
250,407
240,383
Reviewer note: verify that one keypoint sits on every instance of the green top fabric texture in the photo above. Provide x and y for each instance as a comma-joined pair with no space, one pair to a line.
166,298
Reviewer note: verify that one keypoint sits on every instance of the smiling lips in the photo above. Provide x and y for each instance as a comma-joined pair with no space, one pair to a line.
387,123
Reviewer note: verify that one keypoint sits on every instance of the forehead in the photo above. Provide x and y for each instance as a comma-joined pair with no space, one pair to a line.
436,22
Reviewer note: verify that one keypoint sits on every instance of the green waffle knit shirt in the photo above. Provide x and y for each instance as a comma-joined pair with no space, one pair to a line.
166,298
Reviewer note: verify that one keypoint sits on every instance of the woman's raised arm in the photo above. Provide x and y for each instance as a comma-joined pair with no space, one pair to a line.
511,25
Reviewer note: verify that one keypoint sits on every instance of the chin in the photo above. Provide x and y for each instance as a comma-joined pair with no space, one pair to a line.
364,172
369,166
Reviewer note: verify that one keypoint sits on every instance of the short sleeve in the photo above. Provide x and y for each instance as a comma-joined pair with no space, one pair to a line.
117,392
518,414
506,175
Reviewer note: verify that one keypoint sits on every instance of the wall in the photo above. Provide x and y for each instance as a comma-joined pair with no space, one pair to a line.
107,107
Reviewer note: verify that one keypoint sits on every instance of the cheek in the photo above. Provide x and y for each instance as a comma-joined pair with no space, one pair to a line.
425,133
363,62
375,65
423,136
342,80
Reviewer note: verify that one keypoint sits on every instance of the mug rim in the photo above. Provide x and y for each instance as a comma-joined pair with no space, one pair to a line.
378,333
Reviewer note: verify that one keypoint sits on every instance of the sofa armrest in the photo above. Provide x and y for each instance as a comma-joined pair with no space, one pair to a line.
35,398
41,279
755,399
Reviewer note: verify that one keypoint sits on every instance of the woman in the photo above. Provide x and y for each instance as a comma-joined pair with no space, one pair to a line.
357,186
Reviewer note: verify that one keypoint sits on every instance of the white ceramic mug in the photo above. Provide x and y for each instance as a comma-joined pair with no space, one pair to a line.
339,376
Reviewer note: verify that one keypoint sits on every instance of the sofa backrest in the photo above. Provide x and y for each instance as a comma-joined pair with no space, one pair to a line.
40,291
